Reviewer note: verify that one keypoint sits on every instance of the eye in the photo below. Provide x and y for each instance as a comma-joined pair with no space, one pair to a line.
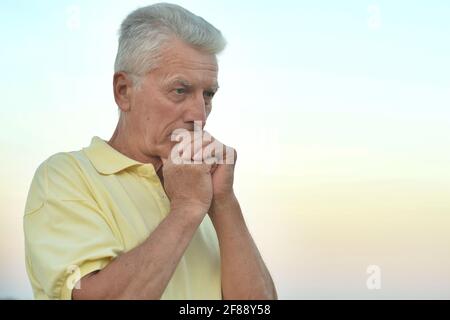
180,91
209,94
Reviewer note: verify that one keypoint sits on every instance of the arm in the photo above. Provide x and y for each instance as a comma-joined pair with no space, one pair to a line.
144,272
244,274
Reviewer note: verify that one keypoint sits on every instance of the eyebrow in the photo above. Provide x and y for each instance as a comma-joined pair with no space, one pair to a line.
186,83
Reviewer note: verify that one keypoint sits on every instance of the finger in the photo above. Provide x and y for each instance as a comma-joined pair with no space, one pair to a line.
198,144
214,150
210,161
214,168
190,145
192,149
209,164
182,149
198,156
229,156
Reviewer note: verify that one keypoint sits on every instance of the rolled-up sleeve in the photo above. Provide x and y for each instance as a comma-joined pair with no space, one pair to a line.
66,234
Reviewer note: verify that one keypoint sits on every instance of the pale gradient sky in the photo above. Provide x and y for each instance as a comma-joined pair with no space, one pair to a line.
349,109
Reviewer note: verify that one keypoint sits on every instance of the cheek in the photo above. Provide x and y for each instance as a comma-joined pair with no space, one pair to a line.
158,125
158,116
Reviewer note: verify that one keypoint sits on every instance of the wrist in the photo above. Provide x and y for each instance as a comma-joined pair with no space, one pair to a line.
223,202
189,207
187,216
224,198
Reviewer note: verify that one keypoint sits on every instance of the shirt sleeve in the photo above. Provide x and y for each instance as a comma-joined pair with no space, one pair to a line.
66,234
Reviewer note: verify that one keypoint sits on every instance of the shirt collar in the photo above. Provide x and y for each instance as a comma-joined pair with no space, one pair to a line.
106,159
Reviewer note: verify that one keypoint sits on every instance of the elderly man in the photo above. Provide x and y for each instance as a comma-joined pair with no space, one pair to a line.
121,219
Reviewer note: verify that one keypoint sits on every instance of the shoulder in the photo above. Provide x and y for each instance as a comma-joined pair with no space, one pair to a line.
58,177
60,167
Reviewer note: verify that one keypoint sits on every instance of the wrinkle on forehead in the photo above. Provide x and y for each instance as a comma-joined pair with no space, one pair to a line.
170,79
179,60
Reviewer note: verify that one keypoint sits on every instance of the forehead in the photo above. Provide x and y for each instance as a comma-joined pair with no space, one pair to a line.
183,63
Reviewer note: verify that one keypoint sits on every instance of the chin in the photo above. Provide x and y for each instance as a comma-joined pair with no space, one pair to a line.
163,151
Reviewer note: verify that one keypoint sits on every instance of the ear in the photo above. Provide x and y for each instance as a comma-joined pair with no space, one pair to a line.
123,88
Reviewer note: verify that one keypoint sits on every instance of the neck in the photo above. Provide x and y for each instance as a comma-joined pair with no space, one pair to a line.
126,144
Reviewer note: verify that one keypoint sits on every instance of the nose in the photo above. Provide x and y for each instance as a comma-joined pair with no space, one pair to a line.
196,111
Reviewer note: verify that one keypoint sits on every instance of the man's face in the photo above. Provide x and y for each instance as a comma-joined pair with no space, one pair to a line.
173,96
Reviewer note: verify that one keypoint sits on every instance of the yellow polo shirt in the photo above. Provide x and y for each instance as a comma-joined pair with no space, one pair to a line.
87,207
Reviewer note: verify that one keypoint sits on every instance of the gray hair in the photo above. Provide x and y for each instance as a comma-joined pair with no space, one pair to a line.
146,30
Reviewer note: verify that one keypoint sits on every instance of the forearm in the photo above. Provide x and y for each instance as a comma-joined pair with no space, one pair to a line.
244,273
144,272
